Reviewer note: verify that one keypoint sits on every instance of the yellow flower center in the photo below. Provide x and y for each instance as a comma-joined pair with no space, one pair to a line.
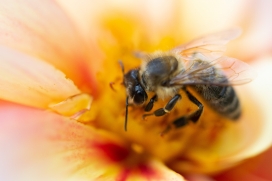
196,143
195,147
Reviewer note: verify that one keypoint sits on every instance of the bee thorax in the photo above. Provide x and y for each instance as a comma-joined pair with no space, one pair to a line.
165,92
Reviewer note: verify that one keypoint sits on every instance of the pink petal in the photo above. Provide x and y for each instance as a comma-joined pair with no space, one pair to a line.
255,169
155,171
38,145
197,177
29,81
257,36
43,30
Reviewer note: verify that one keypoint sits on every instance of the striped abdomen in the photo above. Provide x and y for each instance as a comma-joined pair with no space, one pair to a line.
222,99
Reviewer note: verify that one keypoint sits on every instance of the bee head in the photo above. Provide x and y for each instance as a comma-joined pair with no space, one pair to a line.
135,90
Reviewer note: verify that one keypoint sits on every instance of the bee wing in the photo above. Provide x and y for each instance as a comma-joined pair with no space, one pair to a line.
220,71
212,46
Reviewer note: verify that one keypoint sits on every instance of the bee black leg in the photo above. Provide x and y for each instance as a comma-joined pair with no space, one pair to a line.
169,106
182,121
192,117
150,104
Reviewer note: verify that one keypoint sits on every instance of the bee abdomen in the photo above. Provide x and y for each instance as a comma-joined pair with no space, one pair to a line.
222,99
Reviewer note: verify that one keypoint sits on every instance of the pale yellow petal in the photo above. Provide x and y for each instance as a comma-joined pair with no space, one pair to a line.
259,90
42,29
30,81
76,107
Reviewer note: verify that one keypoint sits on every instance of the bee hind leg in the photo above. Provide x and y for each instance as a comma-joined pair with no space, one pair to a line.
194,117
162,111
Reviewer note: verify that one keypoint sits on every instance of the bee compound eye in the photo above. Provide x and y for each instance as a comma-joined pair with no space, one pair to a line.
140,97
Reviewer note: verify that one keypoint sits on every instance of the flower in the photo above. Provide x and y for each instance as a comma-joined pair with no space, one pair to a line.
59,120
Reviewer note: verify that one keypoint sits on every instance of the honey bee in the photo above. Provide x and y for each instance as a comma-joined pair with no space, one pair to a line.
200,65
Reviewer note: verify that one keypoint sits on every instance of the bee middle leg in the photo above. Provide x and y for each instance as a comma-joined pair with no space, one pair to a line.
194,117
182,121
162,111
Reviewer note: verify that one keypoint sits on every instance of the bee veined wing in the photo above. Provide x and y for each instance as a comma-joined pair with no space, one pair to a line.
212,46
221,71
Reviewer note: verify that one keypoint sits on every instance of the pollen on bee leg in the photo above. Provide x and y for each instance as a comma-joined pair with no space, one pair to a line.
74,107
158,112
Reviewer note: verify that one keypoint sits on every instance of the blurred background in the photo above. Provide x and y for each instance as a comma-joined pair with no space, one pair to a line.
176,22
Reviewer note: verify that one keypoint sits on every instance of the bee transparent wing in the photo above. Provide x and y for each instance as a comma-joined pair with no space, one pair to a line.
220,71
139,54
212,46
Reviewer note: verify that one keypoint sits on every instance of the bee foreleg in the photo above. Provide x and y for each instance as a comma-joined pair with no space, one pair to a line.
194,116
169,106
150,104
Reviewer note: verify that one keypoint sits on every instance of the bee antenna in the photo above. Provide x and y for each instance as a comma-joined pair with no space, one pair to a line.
122,66
126,116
